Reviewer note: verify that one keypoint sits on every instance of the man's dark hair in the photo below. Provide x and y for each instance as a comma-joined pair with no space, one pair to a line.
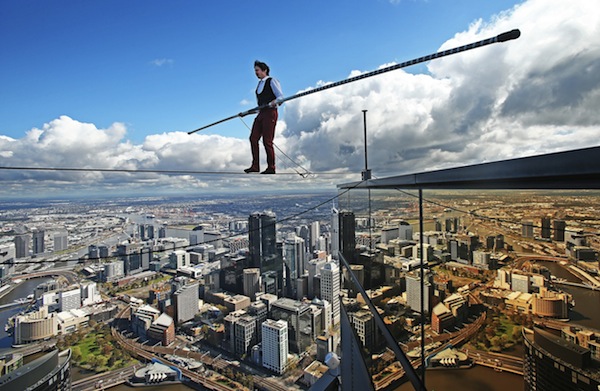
262,66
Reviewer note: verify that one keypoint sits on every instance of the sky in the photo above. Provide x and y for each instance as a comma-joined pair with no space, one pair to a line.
117,85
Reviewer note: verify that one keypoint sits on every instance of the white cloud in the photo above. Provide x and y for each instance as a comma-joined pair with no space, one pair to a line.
159,62
68,143
528,96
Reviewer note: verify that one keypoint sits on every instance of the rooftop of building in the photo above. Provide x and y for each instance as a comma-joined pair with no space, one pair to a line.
278,324
290,304
164,320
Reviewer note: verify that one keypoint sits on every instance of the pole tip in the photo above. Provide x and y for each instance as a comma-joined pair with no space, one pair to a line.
507,36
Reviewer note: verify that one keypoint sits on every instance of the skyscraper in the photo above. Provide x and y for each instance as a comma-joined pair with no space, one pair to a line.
262,238
546,228
335,232
251,282
405,231
330,288
38,241
294,259
527,229
347,235
315,232
61,241
69,299
413,292
558,229
275,345
22,246
186,302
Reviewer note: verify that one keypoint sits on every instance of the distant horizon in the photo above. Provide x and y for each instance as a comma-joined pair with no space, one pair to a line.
231,192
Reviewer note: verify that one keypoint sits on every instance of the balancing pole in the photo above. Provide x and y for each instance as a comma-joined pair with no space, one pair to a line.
507,36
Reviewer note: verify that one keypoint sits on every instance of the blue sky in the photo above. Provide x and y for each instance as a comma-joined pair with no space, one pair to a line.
162,66
118,84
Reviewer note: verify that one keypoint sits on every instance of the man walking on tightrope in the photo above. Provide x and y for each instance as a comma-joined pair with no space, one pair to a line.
268,93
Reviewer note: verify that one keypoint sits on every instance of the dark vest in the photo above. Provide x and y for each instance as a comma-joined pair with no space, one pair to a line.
267,95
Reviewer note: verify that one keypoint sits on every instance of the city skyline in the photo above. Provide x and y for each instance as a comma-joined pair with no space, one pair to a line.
459,229
523,97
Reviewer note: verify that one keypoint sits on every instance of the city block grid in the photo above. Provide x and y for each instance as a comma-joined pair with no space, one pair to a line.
234,295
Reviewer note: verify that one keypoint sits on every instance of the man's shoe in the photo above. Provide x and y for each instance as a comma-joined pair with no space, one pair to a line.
269,171
251,169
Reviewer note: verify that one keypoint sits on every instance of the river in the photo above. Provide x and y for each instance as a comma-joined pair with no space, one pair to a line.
587,301
476,378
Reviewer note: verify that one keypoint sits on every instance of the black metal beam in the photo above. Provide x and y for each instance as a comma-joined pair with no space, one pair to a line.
575,169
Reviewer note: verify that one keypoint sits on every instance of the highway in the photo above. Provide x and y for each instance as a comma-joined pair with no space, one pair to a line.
105,379
497,361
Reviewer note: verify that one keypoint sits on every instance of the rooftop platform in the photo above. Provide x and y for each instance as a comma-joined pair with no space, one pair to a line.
575,169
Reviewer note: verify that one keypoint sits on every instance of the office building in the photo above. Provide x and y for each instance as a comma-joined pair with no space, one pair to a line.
405,231
258,310
275,345
389,233
520,282
550,304
245,334
185,300
7,260
298,317
527,229
442,319
135,258
554,363
252,282
546,228
90,294
38,241
264,253
364,325
315,234
558,230
330,288
61,241
232,275
326,313
483,260
113,271
413,292
69,299
162,329
294,260
314,269
142,318
347,235
499,242
179,259
22,243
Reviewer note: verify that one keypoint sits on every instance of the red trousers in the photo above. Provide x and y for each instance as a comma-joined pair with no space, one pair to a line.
264,126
